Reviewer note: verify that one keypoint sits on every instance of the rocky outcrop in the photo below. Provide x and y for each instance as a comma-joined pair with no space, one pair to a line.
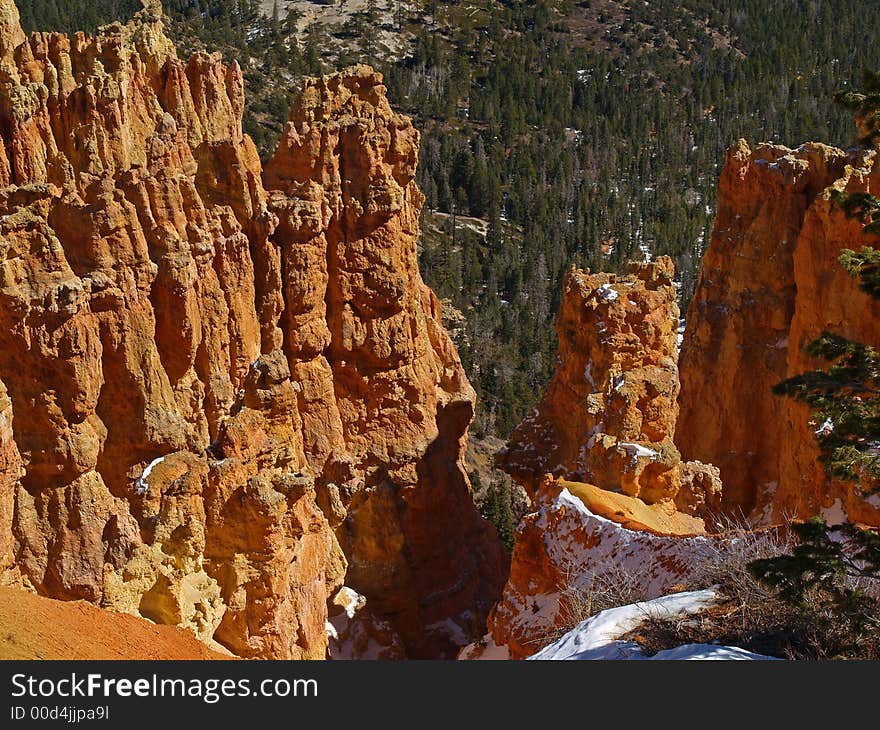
614,507
608,415
230,390
567,559
381,378
356,632
769,285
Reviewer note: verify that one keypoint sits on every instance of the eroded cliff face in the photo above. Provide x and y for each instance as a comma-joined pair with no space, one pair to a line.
608,415
229,392
769,285
385,402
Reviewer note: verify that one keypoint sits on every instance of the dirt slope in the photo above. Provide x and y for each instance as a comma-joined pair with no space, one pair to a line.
33,627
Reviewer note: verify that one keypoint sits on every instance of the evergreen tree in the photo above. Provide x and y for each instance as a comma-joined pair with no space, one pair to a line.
866,106
497,508
831,577
845,400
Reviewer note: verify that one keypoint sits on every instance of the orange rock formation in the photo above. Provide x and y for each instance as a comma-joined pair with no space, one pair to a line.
608,415
769,285
612,501
225,392
566,555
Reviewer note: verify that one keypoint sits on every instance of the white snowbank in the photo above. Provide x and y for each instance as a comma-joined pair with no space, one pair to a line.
708,651
599,636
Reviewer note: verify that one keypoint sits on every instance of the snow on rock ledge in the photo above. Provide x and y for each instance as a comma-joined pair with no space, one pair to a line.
564,545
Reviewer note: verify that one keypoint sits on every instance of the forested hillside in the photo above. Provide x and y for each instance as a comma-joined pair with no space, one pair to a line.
555,132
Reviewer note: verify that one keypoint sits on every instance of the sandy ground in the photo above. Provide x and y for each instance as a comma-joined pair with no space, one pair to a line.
33,627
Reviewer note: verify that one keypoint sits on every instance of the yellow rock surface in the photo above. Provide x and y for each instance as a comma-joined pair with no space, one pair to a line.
632,513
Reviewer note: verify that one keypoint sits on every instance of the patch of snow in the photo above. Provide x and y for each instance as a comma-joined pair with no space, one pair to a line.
567,499
606,293
591,441
598,637
825,428
762,162
709,651
588,374
351,598
141,486
486,650
450,629
835,514
637,450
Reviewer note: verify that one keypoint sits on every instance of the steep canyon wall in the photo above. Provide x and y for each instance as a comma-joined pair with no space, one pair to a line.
770,284
225,391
